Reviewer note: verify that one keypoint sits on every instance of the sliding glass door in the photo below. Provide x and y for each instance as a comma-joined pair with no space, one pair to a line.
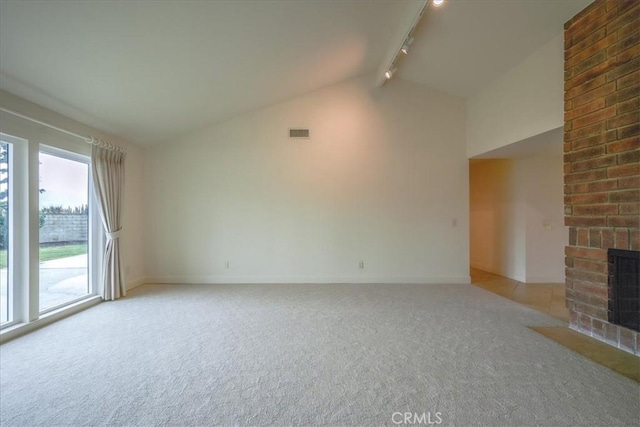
6,286
50,234
64,228
13,228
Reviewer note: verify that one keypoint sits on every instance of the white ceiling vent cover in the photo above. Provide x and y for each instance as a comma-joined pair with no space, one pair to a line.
299,133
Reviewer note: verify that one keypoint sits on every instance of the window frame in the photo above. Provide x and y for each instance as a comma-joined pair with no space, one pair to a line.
18,226
24,236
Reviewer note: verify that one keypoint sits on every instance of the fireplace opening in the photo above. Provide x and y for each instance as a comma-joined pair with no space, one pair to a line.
624,288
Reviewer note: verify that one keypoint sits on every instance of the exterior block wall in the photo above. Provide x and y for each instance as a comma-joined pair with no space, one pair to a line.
64,228
602,158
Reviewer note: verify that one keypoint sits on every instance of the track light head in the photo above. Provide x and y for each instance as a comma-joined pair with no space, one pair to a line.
407,44
390,73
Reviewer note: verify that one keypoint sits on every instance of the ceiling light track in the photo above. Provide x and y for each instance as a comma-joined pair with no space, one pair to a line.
391,66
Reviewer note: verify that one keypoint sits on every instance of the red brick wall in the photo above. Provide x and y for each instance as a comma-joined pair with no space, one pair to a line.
602,157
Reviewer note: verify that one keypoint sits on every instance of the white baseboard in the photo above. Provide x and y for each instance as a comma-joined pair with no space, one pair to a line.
489,269
482,267
193,280
135,283
528,279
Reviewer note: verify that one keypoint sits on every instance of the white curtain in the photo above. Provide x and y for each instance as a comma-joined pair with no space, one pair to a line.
108,182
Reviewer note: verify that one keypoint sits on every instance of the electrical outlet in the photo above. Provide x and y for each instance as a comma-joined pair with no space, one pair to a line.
226,265
361,265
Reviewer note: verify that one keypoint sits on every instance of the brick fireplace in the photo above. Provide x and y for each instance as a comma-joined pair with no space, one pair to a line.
602,159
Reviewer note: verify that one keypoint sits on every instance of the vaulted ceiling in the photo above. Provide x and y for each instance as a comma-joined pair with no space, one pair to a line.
151,71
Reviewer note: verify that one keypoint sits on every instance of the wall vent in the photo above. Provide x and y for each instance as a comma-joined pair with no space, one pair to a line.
298,133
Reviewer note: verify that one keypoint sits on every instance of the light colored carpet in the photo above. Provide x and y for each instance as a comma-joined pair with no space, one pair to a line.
305,355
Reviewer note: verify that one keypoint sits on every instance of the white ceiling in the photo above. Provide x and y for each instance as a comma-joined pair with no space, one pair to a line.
466,44
153,71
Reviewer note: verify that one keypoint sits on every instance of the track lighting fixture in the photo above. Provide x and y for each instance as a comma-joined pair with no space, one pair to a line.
406,45
415,11
390,72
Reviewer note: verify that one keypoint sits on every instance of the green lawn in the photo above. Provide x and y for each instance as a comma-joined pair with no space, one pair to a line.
51,252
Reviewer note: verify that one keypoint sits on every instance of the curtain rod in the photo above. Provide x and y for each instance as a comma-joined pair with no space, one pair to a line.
87,139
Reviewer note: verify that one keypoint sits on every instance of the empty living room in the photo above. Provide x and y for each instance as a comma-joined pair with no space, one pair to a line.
319,213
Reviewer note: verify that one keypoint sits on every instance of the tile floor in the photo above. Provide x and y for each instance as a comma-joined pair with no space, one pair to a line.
550,298
620,361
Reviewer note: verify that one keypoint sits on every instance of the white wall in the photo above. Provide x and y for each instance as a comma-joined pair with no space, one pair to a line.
381,180
131,239
543,179
516,219
525,101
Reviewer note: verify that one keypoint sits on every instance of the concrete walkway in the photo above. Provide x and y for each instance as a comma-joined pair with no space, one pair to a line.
61,280
78,261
